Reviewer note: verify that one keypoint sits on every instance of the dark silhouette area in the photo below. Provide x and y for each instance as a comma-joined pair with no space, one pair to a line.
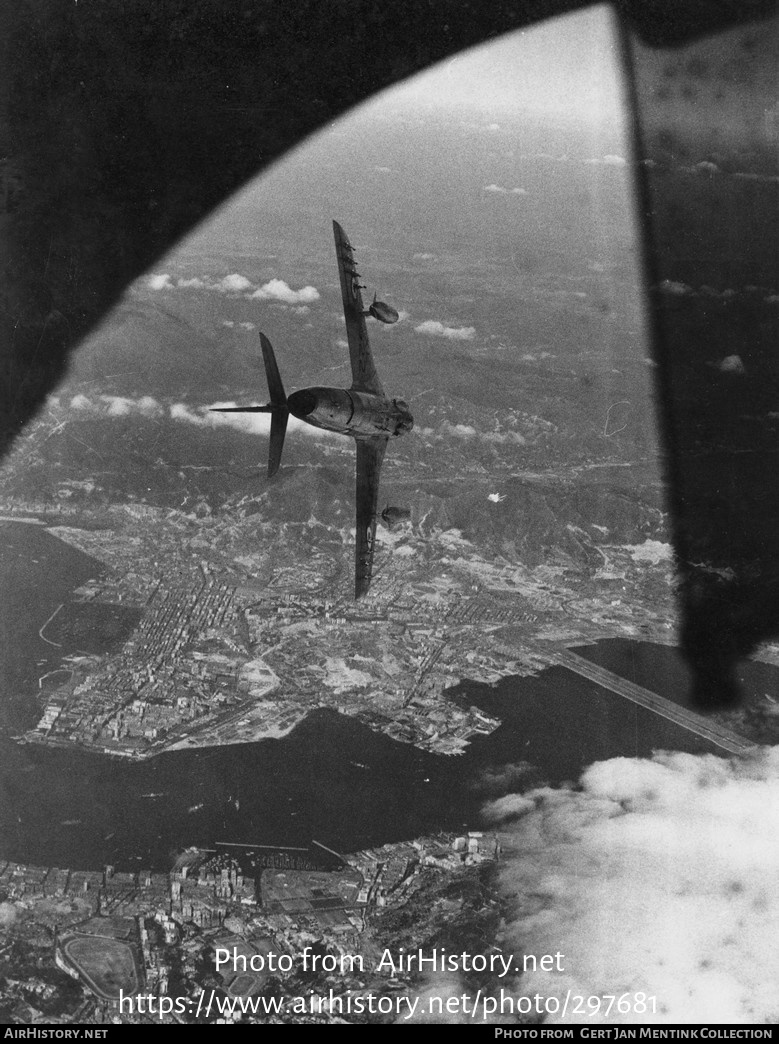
710,184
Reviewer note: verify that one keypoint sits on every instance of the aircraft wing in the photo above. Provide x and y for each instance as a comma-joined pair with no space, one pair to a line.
364,376
370,454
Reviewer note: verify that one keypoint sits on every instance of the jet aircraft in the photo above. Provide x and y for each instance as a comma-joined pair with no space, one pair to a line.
363,411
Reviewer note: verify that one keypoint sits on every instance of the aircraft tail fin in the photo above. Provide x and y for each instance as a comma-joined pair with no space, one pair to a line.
277,407
278,429
275,387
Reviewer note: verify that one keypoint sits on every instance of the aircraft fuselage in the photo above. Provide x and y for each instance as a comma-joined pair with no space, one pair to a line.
359,414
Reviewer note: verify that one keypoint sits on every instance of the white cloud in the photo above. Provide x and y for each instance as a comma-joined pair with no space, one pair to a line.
160,282
608,161
236,284
669,286
423,257
510,806
179,411
149,406
278,290
146,406
118,406
233,284
500,190
248,326
433,328
505,437
732,364
466,431
530,357
756,177
250,423
655,876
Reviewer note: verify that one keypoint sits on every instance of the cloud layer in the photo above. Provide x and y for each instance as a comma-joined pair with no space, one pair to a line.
500,190
121,406
447,431
118,406
608,161
657,877
434,328
238,285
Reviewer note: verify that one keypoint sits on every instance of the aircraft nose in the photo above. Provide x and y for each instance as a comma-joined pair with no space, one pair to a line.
302,403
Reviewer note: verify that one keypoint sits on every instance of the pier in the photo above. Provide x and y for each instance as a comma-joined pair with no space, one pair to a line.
707,729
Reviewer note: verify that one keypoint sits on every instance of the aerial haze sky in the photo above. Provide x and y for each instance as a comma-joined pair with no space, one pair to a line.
566,66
